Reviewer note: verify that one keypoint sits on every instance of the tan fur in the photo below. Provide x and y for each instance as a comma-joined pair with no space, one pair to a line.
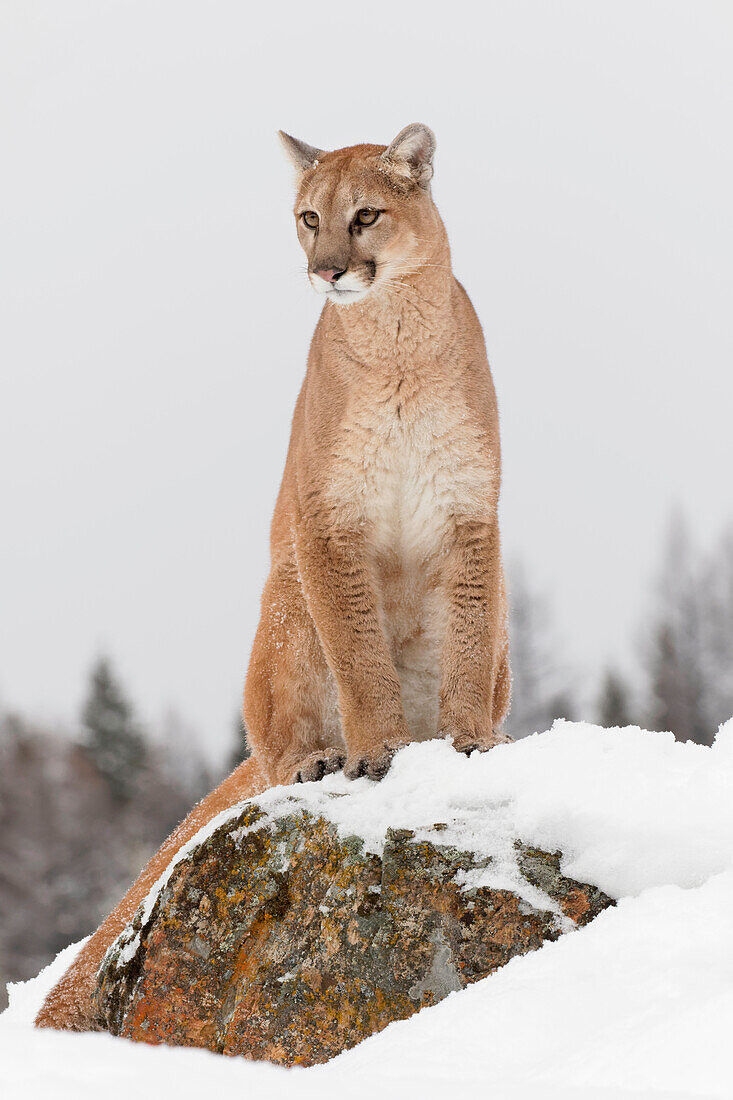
384,615
383,619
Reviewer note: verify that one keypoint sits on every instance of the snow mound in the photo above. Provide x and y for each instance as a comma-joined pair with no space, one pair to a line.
627,808
639,1002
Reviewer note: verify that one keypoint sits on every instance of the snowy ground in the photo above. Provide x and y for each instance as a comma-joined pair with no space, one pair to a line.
640,1003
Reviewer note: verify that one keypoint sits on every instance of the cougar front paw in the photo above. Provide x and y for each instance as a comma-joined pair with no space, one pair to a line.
466,742
317,764
374,764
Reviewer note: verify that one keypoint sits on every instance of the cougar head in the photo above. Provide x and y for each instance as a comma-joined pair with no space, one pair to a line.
364,214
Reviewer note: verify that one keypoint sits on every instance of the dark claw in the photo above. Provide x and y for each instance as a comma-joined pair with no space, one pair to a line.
334,764
380,768
375,769
357,770
316,769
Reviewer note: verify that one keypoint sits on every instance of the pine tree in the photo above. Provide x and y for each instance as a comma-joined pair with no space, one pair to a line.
541,690
677,652
613,701
561,705
241,750
113,740
717,601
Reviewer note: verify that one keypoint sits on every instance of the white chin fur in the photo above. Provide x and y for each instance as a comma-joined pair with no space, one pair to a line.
346,297
343,293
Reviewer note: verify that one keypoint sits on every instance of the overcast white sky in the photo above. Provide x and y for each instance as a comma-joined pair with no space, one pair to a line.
155,319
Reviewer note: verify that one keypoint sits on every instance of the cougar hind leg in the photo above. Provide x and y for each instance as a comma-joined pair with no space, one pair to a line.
502,688
290,702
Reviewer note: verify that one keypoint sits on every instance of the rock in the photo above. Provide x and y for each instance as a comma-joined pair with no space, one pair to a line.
277,938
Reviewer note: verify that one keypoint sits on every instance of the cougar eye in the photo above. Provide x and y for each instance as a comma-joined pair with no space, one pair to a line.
367,217
310,218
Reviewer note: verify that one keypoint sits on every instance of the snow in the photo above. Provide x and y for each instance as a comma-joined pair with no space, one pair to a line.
640,1003
629,809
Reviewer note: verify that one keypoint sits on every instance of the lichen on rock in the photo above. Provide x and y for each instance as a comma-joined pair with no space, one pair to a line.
278,937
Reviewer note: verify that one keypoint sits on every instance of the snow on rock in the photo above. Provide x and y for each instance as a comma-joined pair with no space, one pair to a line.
627,808
639,1003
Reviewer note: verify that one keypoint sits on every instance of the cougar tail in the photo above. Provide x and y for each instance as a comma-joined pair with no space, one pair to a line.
68,1006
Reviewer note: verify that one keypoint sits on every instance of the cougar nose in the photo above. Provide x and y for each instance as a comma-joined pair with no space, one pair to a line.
332,275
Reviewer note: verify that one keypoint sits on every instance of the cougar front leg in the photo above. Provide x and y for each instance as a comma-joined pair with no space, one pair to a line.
474,644
342,602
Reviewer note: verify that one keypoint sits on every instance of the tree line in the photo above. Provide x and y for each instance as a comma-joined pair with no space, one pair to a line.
683,657
80,815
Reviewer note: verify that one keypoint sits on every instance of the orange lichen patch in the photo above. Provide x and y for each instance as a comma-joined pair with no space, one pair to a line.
289,943
575,904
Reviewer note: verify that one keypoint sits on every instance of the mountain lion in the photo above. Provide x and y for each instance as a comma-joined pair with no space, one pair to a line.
384,616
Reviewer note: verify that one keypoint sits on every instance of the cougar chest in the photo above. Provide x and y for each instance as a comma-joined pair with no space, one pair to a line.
408,491
409,477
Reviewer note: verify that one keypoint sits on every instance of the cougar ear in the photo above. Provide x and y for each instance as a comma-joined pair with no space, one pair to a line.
301,155
411,153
